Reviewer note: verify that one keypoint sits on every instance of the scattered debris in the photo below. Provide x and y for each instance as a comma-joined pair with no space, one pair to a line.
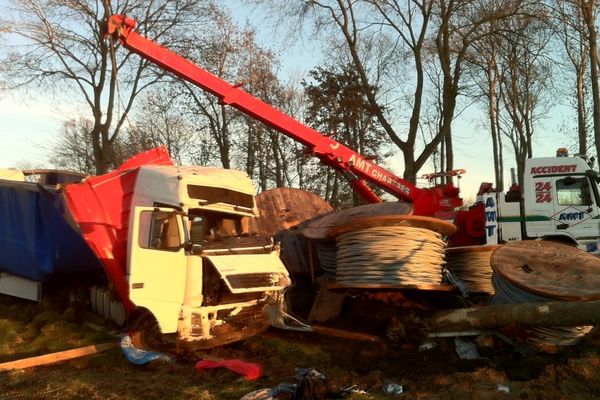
503,388
354,389
250,371
139,356
497,386
312,384
428,345
393,388
282,391
466,350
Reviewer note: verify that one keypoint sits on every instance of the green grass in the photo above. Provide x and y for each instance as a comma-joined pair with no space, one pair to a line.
28,329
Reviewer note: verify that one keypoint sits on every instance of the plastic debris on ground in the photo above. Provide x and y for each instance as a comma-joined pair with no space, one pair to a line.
393,388
250,371
140,356
281,391
428,345
354,390
496,386
311,385
503,388
466,350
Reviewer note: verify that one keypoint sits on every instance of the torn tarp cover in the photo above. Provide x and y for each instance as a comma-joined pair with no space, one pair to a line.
101,207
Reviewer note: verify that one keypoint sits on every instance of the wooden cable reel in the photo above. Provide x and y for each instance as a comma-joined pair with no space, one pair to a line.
542,271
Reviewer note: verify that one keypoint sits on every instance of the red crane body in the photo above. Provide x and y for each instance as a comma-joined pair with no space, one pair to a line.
433,201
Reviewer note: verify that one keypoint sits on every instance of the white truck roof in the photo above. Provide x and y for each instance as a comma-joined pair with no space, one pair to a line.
183,185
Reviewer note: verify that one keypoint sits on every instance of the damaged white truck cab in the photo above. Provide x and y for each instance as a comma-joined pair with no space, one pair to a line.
192,262
560,200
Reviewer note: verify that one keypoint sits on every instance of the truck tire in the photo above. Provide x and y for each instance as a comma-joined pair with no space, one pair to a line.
145,332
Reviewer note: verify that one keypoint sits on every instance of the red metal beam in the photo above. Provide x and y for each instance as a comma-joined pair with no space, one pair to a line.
330,152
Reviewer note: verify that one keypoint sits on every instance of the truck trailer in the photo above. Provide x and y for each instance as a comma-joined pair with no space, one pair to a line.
173,241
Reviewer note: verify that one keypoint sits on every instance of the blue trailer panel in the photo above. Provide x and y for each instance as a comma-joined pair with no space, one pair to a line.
36,240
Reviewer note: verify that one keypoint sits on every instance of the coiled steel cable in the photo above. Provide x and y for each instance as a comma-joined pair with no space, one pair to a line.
326,254
390,255
507,293
473,268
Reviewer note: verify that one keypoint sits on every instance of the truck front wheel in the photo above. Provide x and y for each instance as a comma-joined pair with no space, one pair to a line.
145,332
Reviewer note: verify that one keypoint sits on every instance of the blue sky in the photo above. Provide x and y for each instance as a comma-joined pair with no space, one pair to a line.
27,125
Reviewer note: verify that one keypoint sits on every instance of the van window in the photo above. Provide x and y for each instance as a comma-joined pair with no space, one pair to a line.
159,230
573,192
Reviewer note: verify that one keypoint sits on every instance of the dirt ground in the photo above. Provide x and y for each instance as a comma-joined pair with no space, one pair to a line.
28,329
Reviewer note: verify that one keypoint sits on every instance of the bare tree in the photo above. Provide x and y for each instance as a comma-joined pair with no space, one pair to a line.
589,11
337,105
219,51
267,158
486,75
62,47
162,120
525,82
571,29
387,42
380,38
461,23
73,149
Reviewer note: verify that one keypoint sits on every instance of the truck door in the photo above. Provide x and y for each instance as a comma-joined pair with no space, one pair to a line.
157,263
575,208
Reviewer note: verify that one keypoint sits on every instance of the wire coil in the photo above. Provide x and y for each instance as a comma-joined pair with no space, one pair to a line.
390,255
326,254
507,293
473,268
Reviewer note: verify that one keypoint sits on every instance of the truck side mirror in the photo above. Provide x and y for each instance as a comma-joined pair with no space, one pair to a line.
194,248
593,175
197,230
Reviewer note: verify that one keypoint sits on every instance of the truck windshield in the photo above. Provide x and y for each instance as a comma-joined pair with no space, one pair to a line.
573,192
212,195
215,230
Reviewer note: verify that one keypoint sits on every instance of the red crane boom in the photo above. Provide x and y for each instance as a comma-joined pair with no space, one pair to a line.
332,153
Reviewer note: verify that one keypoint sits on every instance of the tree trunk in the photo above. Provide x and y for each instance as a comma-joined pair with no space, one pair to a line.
224,149
410,173
279,182
581,128
103,149
493,117
551,314
590,19
251,147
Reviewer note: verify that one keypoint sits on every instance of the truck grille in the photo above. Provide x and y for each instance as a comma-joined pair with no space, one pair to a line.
249,281
250,321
